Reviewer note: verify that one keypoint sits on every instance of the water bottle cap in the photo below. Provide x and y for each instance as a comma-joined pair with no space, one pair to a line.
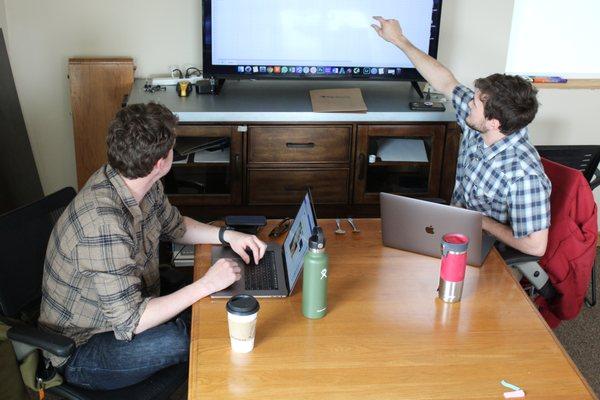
317,240
242,304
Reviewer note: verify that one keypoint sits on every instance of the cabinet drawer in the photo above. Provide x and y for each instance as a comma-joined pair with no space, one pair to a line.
203,130
287,186
299,144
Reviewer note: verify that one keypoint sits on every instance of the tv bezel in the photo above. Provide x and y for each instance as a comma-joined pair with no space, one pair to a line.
229,72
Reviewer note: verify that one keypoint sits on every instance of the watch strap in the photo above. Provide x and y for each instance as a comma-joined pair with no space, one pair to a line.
222,236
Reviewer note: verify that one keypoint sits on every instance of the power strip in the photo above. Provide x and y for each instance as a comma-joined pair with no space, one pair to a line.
168,81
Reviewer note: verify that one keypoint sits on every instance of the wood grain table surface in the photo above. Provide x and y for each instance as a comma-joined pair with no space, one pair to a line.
386,334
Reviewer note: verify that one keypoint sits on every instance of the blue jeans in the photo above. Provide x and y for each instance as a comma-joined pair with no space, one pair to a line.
105,363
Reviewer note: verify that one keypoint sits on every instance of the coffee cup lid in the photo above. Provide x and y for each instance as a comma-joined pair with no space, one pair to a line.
242,304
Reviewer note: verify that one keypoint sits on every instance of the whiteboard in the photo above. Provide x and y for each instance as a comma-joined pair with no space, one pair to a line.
555,37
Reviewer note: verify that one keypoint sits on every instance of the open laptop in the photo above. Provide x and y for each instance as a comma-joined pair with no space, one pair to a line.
278,271
419,225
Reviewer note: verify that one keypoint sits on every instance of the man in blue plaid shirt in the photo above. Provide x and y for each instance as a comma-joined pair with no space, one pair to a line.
499,172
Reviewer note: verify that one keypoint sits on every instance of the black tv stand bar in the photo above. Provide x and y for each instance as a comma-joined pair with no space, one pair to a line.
417,88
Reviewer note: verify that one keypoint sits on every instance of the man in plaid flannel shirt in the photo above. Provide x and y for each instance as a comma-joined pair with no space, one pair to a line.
499,172
101,284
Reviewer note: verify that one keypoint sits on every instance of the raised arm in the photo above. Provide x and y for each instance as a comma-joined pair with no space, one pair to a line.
433,71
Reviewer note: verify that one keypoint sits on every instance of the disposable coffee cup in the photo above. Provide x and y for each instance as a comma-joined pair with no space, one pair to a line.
242,311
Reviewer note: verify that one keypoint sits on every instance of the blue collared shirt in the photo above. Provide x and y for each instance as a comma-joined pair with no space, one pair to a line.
505,181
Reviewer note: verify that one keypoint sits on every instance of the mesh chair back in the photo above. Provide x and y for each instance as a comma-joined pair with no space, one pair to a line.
24,235
582,158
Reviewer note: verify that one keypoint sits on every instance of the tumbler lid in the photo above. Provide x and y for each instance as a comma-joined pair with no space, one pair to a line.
242,304
455,242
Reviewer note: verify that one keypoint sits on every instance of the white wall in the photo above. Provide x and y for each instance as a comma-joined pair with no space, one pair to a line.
474,37
42,35
3,18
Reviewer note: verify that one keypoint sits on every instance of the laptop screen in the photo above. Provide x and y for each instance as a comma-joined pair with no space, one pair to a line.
296,242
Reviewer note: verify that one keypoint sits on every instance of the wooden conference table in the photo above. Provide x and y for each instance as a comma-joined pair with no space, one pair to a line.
386,335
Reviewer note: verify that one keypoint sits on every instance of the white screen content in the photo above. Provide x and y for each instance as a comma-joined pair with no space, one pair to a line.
315,32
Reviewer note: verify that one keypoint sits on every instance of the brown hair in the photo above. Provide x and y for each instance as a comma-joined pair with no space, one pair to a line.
138,137
509,99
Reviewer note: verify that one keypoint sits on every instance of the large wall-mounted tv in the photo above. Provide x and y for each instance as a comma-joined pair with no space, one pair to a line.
314,39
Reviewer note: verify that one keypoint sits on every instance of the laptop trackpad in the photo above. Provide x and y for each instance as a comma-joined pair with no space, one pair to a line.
223,252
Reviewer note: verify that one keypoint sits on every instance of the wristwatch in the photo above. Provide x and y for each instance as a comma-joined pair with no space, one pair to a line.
222,234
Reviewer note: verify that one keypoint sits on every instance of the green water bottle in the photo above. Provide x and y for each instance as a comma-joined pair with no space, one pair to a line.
314,279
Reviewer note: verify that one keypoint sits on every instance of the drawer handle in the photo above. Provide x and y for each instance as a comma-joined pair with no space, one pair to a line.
309,145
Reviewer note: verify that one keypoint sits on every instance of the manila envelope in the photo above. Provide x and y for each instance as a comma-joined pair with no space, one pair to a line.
337,100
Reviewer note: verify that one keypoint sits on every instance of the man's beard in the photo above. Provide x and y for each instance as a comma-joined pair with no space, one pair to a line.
471,125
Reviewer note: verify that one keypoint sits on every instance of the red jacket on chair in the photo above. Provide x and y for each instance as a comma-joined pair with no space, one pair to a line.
572,238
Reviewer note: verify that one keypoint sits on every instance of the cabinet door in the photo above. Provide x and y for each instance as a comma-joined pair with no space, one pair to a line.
207,167
400,159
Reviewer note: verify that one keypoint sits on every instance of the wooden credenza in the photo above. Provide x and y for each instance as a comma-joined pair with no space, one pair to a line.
275,147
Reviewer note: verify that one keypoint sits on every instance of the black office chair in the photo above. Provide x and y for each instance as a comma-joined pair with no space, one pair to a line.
24,234
584,158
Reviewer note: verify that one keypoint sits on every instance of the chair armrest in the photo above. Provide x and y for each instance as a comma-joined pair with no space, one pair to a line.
529,268
513,256
56,344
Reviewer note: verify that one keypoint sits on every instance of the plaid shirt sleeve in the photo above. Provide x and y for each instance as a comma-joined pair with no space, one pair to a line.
461,96
171,220
529,206
107,259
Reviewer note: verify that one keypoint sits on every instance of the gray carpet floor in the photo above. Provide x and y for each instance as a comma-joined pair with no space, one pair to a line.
581,338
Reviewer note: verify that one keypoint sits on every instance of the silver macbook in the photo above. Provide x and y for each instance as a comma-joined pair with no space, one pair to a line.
278,271
419,225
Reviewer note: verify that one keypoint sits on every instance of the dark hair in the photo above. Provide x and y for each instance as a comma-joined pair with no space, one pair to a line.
139,136
509,99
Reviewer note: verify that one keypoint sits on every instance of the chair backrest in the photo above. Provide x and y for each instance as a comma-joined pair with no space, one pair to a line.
584,158
24,235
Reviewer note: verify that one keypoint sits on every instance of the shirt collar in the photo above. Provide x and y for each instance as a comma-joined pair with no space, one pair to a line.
501,145
123,191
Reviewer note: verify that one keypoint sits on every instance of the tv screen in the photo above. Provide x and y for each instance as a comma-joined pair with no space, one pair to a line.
314,39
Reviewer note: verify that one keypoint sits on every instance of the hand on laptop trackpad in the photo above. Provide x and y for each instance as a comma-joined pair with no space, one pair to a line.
228,252
251,255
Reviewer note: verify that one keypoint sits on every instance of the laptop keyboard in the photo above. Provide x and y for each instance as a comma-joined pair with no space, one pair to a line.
262,276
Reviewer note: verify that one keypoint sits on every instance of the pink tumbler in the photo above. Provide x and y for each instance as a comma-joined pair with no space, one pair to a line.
454,264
